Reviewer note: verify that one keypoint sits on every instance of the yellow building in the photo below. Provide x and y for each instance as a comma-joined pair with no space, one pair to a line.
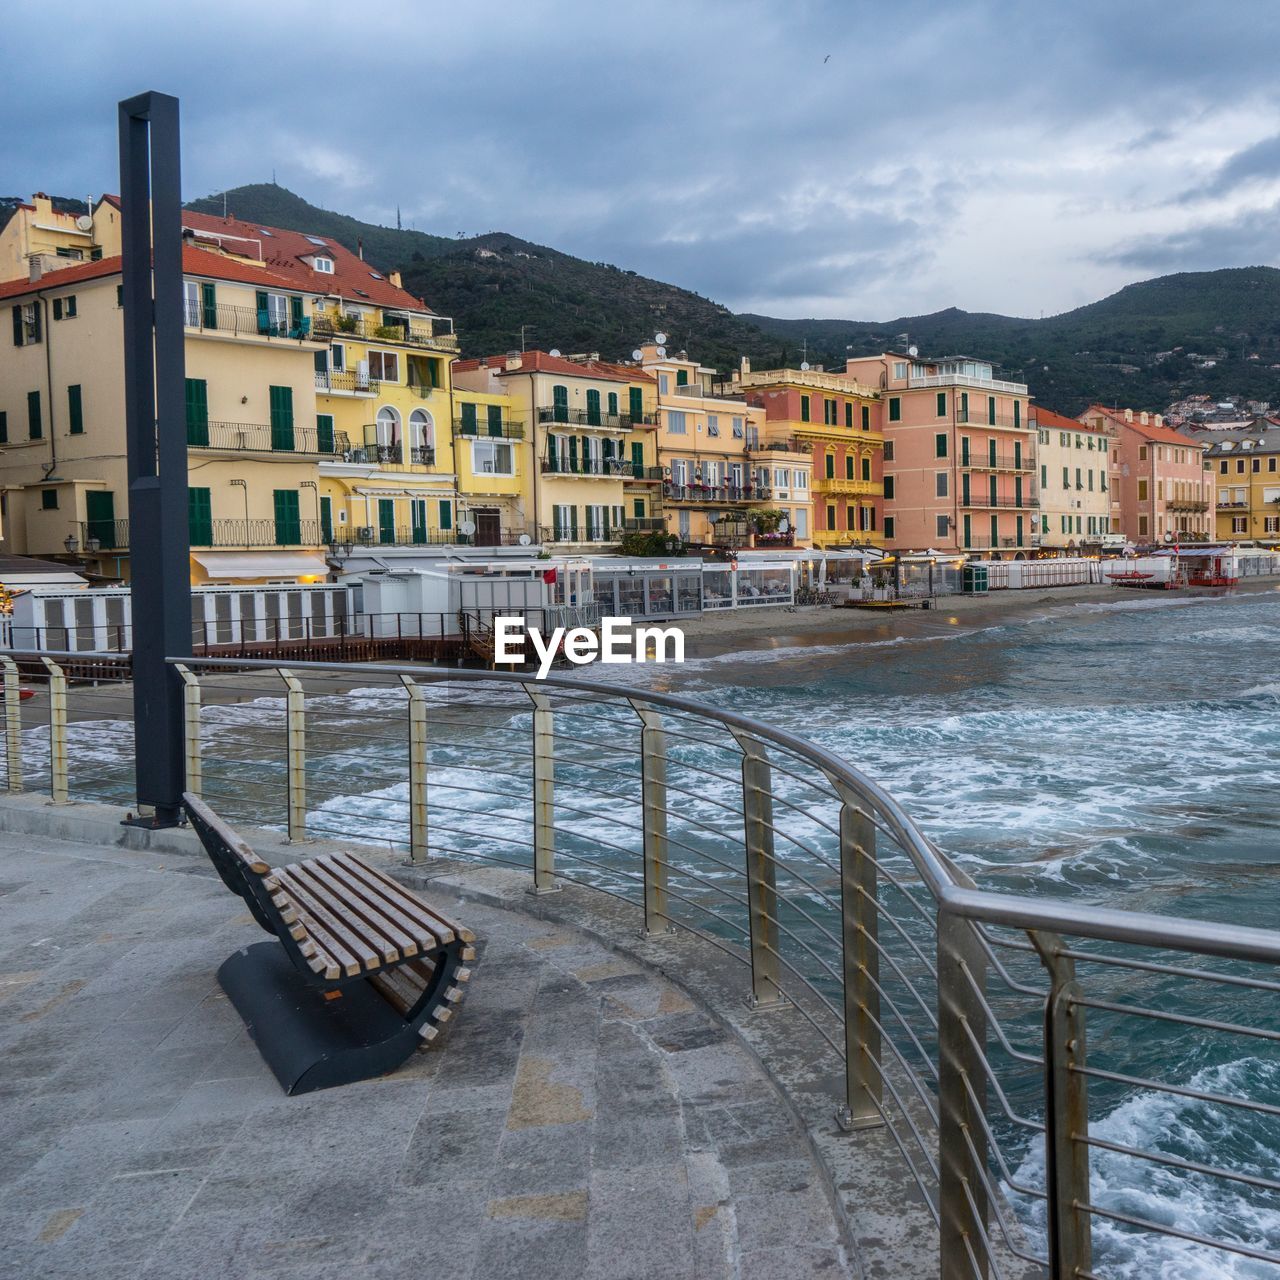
255,443
493,454
724,483
382,386
1246,466
39,238
591,423
1075,488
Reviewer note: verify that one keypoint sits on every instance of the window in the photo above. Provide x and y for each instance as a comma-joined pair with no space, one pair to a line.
48,499
197,412
325,442
866,417
664,383
831,516
338,356
64,308
676,423
888,526
848,466
1142,453
895,408
635,397
866,468
593,408
682,377
1239,466
35,427
199,517
940,484
899,368
119,295
888,487
942,404
323,265
804,408
1066,477
830,412
1142,491
831,464
991,410
288,521
888,450
848,414
446,515
1257,465
75,410
1239,524
1044,475
942,525
384,366
738,428
26,324
282,419
713,425
4,428
940,445
1142,526
492,458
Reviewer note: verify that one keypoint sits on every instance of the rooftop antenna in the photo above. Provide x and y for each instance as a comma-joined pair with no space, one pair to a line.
398,226
523,327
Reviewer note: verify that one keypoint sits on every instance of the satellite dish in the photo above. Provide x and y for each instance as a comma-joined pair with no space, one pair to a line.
804,366
84,222
662,351
555,351
468,527
913,352
637,354
659,338
524,539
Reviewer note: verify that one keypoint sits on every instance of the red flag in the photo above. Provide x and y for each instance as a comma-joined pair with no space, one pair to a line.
549,577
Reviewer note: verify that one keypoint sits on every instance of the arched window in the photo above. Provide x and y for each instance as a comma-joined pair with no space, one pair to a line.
422,437
388,429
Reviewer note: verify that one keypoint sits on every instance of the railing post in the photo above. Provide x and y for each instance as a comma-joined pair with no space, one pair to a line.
191,727
296,748
962,1095
59,791
864,1086
762,893
544,794
1066,1120
653,783
12,725
417,770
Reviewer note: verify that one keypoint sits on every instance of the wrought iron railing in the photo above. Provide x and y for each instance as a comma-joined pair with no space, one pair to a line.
590,418
258,437
256,533
241,322
483,428
104,535
982,1050
435,332
347,382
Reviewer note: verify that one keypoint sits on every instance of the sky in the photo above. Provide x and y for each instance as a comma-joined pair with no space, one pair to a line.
798,158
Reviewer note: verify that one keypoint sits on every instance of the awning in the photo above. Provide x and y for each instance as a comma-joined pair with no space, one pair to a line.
261,564
25,581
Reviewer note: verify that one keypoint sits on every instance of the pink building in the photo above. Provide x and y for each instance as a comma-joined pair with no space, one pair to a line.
959,455
1165,493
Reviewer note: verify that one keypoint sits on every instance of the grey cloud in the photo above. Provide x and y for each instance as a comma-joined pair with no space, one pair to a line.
1260,161
1244,241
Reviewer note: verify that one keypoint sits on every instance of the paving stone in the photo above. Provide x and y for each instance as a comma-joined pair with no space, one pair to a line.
641,1225
548,1158
453,1145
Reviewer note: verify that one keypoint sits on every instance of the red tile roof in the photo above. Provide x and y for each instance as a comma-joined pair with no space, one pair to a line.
1148,430
195,262
352,279
544,362
1058,421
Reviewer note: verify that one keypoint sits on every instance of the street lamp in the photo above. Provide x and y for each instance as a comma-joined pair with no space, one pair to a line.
92,545
72,544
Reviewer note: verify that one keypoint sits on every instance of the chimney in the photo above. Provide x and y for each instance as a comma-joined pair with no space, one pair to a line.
514,361
35,265
744,364
394,277
1142,417
360,247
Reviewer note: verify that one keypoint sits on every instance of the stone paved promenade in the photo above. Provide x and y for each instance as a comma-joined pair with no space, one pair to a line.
580,1119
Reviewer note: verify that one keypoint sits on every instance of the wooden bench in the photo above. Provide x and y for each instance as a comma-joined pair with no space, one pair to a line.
366,972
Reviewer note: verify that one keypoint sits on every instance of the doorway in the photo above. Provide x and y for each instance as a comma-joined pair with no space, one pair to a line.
488,526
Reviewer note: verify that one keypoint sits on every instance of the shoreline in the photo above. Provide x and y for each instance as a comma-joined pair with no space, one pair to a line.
713,634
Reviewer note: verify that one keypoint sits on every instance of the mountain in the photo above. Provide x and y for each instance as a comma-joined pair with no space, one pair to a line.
1145,346
493,284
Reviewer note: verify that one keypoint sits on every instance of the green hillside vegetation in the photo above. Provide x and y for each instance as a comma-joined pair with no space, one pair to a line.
1135,347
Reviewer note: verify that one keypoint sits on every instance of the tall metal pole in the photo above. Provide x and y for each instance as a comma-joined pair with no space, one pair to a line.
154,381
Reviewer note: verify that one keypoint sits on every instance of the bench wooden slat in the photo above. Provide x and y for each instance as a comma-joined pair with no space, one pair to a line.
382,911
444,928
350,952
356,921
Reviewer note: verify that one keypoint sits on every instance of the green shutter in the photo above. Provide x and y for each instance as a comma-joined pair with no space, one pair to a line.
17,325
282,419
4,428
560,403
495,419
848,466
895,409
831,466
682,377
199,518
1017,413
288,524
324,433
418,518
386,521
866,417
197,412
75,410
637,460
942,404
964,490
264,313
848,414
208,306
35,428
991,410
804,408
295,316
573,453
446,515
326,519
593,407
635,396
57,308
468,418
100,517
613,404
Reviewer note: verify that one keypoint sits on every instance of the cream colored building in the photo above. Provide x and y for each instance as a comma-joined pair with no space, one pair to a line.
1075,486
39,238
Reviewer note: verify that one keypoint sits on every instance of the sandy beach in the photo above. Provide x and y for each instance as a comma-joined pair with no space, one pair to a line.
768,626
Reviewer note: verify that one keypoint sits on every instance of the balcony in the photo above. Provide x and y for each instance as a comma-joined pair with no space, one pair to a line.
841,484
776,539
104,535
967,380
422,455
715,493
345,541
972,417
1242,505
435,333
1026,503
997,462
240,534
645,524
477,430
643,475
1188,504
255,437
244,322
589,418
591,536
343,382
598,468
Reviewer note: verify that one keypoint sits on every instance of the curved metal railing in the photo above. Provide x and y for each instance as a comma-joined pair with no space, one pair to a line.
955,1016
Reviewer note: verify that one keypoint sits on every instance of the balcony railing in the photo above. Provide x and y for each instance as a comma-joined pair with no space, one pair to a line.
256,533
375,454
649,475
1187,504
610,468
842,484
1025,503
644,524
982,460
244,322
345,541
347,382
588,418
257,437
108,535
435,332
716,492
975,416
967,380
609,534
483,429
